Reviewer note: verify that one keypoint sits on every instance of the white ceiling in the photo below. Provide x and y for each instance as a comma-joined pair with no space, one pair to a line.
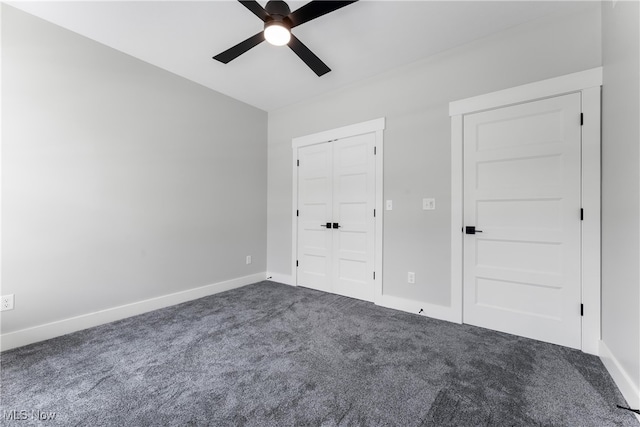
356,42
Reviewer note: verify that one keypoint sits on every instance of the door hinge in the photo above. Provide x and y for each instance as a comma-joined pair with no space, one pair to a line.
374,151
374,213
581,119
581,214
581,309
296,263
298,162
374,275
297,212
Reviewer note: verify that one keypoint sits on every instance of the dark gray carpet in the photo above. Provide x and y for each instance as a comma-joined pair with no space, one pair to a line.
269,354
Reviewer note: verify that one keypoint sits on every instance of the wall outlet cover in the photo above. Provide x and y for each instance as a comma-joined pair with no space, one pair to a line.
6,302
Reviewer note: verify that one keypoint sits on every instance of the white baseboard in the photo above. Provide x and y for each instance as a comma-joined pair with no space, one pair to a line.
287,279
440,312
629,390
62,327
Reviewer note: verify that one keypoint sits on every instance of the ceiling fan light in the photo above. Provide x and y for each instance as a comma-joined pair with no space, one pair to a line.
277,33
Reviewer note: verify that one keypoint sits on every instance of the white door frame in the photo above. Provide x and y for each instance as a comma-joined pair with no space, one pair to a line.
375,126
588,83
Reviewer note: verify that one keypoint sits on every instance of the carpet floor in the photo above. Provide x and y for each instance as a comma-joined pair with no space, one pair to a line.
269,354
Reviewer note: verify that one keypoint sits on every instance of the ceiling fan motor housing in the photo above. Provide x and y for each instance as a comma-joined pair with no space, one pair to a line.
277,8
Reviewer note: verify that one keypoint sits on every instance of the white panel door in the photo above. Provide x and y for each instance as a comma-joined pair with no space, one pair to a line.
315,210
353,204
522,191
336,223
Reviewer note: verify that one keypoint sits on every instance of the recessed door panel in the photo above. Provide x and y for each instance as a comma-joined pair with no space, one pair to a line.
531,300
519,131
526,256
541,170
533,214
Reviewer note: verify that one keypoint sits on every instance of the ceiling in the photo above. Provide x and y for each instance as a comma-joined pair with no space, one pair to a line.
358,41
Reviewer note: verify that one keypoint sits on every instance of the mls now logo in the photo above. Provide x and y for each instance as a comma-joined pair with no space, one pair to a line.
15,415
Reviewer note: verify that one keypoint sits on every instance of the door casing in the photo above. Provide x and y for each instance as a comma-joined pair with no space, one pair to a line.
376,127
588,83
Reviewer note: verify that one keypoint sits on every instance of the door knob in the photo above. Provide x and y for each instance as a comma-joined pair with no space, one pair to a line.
471,230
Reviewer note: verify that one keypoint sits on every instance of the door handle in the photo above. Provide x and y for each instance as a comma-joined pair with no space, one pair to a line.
329,225
471,230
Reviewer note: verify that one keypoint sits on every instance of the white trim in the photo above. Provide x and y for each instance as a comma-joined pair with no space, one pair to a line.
376,126
574,82
2,290
294,219
379,239
62,327
623,380
416,307
457,218
457,212
342,132
287,279
591,247
588,83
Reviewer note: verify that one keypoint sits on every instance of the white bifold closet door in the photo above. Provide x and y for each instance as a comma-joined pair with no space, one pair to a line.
522,193
336,223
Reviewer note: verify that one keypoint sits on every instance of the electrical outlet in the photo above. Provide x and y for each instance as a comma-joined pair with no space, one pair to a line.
6,302
411,277
248,259
429,204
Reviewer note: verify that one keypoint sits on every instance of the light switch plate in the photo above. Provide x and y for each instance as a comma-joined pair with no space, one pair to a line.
389,205
429,204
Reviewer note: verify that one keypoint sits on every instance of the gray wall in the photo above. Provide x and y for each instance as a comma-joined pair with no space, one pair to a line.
415,100
120,181
621,184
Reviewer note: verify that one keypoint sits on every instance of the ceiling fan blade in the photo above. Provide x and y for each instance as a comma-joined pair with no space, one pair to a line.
255,7
237,50
309,58
315,9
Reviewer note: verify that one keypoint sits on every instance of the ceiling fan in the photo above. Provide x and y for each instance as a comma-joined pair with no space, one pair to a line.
278,22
